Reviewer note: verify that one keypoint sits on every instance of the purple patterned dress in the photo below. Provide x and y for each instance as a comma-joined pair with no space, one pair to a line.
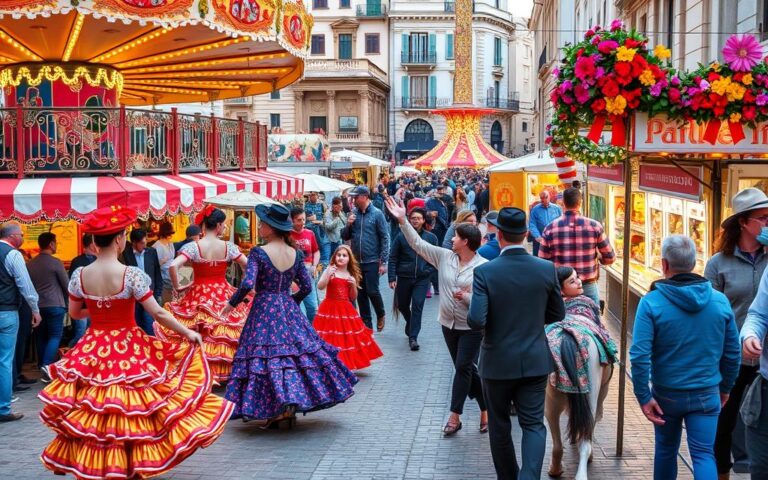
281,360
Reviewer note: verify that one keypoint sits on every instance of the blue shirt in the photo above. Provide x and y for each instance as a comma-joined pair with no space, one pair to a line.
491,249
756,323
542,216
316,209
140,259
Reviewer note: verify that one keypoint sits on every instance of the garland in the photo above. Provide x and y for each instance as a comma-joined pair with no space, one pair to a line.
611,74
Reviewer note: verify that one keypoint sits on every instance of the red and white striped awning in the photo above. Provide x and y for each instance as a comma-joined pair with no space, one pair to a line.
33,199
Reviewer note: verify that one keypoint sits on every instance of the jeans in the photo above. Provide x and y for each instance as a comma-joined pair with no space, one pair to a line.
728,417
528,396
325,253
591,291
699,409
332,246
311,301
536,246
79,326
369,290
9,327
144,320
464,346
22,340
757,439
49,334
411,294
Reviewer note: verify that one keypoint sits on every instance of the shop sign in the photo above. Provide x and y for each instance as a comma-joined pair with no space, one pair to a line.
613,175
671,180
340,167
661,135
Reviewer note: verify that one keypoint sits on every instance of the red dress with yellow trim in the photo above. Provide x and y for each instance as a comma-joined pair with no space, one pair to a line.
124,404
200,308
338,323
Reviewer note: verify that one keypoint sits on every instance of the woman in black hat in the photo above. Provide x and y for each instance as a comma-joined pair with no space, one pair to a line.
281,366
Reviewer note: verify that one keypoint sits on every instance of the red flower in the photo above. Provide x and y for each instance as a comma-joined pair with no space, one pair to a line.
598,105
718,111
638,65
623,72
749,113
554,97
737,77
610,88
712,76
674,95
584,68
749,97
658,73
632,43
580,52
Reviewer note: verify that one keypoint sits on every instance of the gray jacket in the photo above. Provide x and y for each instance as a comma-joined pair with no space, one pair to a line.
368,236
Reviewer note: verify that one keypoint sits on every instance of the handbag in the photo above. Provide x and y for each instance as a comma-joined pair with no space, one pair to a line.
752,404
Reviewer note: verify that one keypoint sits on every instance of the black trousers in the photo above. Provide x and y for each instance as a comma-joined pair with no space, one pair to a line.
369,290
411,295
528,395
22,340
757,439
729,416
464,346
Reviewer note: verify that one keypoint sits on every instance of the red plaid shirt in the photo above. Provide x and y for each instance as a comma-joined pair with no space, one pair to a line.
573,241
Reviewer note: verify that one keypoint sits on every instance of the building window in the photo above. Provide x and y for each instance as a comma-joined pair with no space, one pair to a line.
274,120
497,137
274,95
318,45
420,89
525,127
449,46
419,48
319,4
242,116
498,4
344,4
348,124
372,43
764,20
318,125
345,46
419,131
497,51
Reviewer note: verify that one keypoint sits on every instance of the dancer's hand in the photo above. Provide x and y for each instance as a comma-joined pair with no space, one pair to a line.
653,412
194,337
226,310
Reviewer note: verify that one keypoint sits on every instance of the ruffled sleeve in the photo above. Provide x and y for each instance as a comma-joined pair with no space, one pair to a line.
75,286
190,251
138,284
233,252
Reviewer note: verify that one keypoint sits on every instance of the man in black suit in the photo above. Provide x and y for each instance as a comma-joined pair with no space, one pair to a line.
137,254
83,260
513,297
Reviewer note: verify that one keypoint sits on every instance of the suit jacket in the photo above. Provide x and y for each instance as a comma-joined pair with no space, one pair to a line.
151,267
513,297
80,261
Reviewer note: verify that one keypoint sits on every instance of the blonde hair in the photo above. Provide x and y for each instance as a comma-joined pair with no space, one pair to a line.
463,216
353,268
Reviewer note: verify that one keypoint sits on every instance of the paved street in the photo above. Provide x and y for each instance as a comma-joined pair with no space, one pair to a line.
390,429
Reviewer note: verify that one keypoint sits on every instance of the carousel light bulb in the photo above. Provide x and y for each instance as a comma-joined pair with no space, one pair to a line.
74,35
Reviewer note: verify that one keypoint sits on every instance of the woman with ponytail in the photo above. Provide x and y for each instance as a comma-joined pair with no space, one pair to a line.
204,299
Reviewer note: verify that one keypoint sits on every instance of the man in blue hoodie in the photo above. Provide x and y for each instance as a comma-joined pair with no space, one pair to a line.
686,344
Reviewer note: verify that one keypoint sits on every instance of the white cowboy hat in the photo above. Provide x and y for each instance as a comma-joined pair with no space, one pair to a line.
745,201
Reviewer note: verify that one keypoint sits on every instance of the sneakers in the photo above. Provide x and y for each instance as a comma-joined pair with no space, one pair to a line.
14,399
45,375
11,417
23,380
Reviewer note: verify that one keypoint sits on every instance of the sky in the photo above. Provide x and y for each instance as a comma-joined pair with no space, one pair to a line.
521,8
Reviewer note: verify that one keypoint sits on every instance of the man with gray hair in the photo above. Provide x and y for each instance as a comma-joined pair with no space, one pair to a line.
14,284
686,344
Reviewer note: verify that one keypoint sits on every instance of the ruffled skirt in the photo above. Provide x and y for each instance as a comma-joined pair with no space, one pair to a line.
281,362
338,323
125,405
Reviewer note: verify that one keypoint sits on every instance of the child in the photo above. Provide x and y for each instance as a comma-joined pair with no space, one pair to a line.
337,321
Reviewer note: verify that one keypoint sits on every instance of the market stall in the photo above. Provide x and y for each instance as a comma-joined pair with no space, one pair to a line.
518,182
365,168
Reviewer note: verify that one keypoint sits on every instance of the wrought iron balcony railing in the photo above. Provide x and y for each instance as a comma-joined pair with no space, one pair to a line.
419,58
372,10
415,103
121,141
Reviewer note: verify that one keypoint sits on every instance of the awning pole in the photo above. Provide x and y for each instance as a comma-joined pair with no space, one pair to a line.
624,297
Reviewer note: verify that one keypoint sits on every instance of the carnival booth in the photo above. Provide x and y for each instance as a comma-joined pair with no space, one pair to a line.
365,169
518,182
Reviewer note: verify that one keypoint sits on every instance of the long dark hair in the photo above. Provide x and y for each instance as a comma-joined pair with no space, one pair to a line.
213,219
729,234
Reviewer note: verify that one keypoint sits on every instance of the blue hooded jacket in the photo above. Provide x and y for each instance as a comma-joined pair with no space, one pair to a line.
685,338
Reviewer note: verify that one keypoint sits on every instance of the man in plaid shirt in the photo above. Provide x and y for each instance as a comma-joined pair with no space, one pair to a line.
573,241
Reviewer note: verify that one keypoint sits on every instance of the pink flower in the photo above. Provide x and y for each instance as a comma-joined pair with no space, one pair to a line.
607,46
704,85
581,93
555,72
741,53
565,87
616,25
761,99
675,81
584,68
599,73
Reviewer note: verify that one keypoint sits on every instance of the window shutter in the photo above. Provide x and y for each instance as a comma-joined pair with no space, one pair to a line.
431,103
405,84
406,47
449,46
432,45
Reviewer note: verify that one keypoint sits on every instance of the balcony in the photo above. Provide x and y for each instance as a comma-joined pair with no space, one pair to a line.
343,69
122,141
511,104
424,103
239,101
422,59
372,10
449,7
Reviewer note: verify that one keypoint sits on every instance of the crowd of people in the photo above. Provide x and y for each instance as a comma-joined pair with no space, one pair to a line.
148,349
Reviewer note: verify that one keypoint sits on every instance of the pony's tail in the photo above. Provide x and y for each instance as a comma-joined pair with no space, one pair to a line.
580,420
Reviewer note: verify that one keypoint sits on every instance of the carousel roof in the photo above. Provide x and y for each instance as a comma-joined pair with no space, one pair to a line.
462,145
156,51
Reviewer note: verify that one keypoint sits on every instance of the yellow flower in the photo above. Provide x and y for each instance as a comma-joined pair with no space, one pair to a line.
715,66
615,105
735,117
747,79
735,92
661,52
720,86
624,54
647,78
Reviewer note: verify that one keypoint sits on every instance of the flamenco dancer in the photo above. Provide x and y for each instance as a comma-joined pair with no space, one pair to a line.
281,366
337,321
200,307
124,404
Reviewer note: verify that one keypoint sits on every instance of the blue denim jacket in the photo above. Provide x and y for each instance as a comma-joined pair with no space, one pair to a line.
316,209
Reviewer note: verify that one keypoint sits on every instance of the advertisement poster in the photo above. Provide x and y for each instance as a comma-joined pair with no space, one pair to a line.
298,148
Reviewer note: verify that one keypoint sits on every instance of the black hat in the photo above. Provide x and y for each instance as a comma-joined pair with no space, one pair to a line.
360,190
276,216
510,220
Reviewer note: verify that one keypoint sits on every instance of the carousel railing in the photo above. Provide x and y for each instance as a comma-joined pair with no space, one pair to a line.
124,141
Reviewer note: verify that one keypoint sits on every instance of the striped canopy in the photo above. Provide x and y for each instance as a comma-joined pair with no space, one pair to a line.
463,145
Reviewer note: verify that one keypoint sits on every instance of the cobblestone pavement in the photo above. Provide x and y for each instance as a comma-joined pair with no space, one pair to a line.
390,429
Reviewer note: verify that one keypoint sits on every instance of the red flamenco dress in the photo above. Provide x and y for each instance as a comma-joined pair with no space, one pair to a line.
125,405
200,309
338,323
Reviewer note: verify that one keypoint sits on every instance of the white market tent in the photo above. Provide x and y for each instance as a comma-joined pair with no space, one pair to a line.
358,159
537,162
239,200
403,169
319,183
